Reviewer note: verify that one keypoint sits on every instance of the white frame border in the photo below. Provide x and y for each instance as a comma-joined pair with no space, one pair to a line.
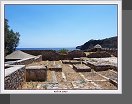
119,91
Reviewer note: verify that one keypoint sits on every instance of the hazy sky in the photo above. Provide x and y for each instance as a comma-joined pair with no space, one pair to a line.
61,26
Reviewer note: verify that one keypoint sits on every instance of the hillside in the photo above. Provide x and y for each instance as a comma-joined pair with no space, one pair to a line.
105,43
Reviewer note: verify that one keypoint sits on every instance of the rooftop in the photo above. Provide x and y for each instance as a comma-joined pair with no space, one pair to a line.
97,46
19,55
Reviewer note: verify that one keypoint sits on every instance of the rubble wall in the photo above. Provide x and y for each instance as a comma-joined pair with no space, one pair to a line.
15,79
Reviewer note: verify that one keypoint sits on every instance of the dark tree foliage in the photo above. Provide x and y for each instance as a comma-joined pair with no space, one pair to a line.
11,38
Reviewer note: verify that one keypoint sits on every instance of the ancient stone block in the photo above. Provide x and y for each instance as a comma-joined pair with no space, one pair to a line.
36,73
81,68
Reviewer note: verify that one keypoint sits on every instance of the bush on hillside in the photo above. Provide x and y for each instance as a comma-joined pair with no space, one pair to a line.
76,54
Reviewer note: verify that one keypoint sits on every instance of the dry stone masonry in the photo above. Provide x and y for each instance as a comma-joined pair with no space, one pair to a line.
14,77
28,60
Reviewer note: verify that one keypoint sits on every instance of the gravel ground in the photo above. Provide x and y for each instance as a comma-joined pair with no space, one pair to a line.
65,85
73,76
49,76
83,85
109,74
68,68
59,76
32,85
106,85
92,76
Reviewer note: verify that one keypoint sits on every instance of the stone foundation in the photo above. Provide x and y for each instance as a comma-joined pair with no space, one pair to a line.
100,65
55,68
81,68
36,73
97,67
71,62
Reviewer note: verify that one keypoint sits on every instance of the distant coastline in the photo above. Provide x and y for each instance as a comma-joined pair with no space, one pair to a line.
56,49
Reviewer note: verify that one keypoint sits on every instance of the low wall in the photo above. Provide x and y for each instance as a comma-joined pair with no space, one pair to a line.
28,60
14,77
38,58
100,67
54,55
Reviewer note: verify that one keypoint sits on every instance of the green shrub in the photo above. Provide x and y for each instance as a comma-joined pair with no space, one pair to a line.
63,51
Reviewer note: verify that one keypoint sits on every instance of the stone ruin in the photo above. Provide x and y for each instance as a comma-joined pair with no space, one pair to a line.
35,73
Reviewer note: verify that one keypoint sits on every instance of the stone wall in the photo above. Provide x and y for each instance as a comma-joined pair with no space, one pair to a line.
38,58
55,55
14,77
28,60
15,74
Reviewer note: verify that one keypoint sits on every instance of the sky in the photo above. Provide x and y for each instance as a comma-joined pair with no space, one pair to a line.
61,26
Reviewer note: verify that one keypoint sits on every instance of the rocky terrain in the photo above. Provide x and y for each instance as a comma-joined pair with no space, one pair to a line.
105,43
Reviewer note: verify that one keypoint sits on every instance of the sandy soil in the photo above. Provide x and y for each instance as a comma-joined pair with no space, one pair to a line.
109,74
106,85
92,76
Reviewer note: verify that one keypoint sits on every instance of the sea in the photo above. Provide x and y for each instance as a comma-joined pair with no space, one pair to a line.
56,49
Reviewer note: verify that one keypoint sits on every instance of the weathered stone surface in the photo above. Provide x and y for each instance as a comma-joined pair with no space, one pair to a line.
36,67
83,85
101,64
14,77
75,62
36,73
71,62
26,61
63,80
52,86
81,68
54,79
78,59
65,61
55,67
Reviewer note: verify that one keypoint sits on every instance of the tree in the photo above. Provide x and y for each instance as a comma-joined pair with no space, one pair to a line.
11,38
